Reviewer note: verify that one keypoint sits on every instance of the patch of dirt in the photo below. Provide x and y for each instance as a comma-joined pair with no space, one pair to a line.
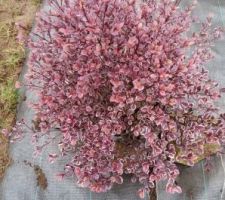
36,124
40,175
41,178
4,156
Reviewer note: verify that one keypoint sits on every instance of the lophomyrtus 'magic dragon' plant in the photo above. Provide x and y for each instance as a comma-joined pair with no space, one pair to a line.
127,87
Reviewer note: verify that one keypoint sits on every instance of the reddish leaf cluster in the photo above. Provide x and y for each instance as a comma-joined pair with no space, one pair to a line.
112,72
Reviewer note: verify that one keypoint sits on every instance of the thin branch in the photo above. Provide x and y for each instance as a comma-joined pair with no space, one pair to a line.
177,2
153,193
84,12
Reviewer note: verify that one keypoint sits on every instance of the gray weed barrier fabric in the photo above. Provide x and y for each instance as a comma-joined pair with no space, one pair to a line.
20,181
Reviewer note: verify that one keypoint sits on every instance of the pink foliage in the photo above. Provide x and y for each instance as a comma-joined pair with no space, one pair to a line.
118,71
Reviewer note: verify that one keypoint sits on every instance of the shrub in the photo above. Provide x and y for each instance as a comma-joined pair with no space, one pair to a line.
127,87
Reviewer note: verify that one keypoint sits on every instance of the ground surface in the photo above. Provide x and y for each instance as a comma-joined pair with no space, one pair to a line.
12,56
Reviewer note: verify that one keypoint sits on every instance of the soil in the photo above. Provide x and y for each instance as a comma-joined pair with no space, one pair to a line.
41,178
40,175
4,156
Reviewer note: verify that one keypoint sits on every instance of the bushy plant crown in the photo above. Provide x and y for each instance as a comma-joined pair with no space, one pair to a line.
126,84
